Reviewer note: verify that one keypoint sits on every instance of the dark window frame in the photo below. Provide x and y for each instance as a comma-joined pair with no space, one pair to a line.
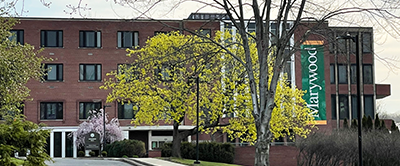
332,73
18,34
121,39
83,76
368,78
59,106
85,114
121,111
83,39
44,35
59,74
340,79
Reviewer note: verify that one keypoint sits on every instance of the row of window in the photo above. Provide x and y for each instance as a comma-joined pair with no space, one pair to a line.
343,46
344,109
343,74
55,110
90,39
87,72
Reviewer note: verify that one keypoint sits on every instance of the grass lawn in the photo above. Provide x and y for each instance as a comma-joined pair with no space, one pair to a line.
17,161
190,162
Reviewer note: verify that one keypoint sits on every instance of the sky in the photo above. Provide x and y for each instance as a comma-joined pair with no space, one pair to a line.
386,47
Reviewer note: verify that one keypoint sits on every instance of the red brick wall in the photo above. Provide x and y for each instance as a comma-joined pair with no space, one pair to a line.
155,153
279,155
71,91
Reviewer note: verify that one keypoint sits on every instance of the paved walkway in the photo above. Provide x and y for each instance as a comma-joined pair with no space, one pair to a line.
156,162
111,162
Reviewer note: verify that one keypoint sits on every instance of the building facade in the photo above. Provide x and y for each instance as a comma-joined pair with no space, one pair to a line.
84,50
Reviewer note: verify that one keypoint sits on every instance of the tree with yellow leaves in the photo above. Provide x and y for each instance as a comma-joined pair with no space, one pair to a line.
161,83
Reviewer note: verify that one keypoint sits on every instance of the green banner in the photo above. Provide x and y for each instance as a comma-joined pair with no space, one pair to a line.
313,79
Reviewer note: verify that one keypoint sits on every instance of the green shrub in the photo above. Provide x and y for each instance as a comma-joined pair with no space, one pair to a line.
135,156
81,154
126,147
166,150
92,154
104,153
124,156
208,151
188,150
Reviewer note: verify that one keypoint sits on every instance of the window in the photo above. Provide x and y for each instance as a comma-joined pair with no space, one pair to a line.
18,109
332,73
54,72
353,74
343,107
53,38
251,27
369,106
89,39
164,74
17,36
85,107
130,72
354,111
51,110
342,73
127,39
205,32
274,33
367,74
287,70
366,42
90,72
333,106
127,111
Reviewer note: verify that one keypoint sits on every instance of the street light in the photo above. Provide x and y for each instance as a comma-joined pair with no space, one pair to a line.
358,73
104,126
197,162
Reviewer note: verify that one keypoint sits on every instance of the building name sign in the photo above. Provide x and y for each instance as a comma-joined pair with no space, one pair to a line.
92,141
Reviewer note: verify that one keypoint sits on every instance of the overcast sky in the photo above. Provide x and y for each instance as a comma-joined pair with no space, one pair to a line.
385,45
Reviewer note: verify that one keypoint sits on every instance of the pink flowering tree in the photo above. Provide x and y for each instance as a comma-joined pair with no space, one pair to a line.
94,123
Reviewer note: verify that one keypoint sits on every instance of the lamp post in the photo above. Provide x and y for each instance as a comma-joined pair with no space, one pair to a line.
358,73
197,122
104,126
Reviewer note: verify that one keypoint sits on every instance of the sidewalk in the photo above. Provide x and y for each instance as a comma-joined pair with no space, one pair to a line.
155,162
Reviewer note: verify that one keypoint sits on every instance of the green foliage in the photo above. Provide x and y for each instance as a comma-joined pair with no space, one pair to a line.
166,150
19,134
377,122
81,154
18,64
394,127
345,123
92,154
124,156
135,156
208,151
126,147
104,153
369,123
354,123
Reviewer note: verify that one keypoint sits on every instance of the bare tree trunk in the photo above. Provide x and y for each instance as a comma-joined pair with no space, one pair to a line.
176,141
264,138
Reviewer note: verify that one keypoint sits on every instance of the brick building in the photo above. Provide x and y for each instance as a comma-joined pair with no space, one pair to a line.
84,50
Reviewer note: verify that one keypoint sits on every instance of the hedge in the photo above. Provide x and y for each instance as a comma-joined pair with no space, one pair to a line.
126,147
208,151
